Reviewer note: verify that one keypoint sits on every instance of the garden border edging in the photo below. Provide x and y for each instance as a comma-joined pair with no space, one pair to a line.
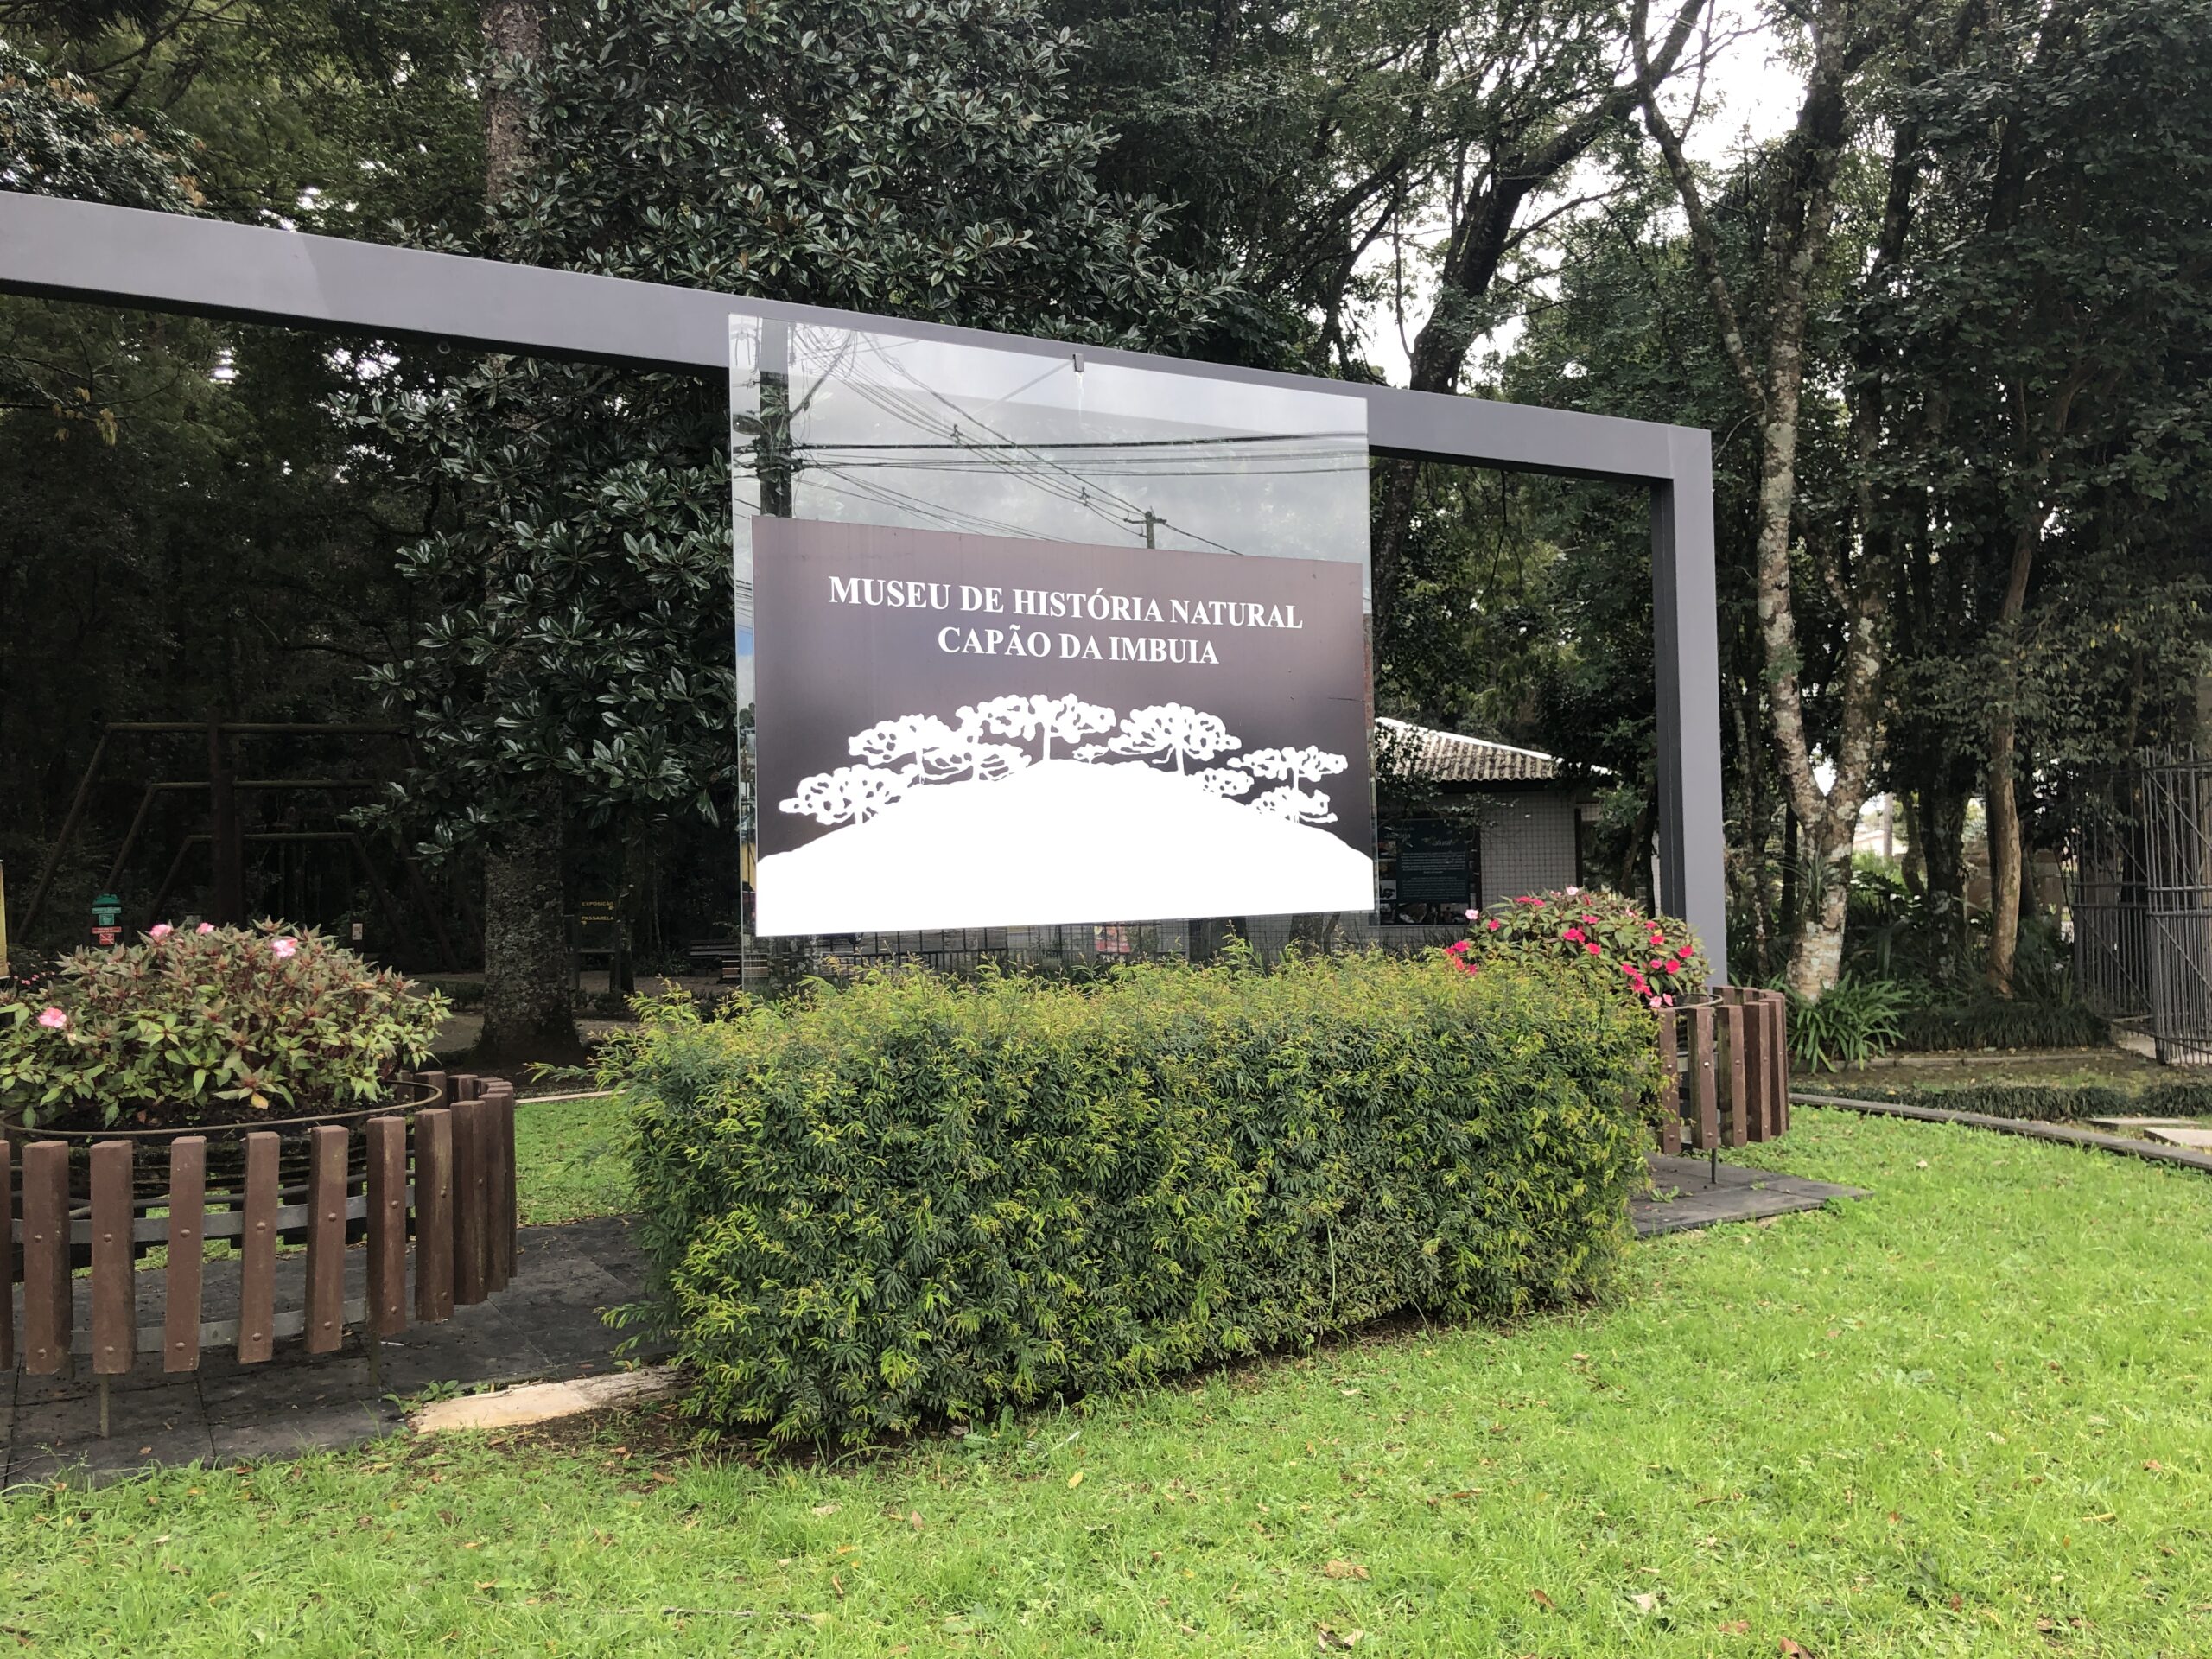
2091,1139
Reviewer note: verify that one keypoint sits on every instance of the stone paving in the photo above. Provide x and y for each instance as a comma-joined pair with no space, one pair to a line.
545,1324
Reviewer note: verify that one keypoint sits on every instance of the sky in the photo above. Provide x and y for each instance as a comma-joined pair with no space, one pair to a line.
1750,91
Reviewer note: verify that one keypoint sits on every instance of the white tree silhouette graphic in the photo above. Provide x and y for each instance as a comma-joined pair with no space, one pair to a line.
1297,767
1223,780
855,793
1174,729
919,736
913,751
1070,719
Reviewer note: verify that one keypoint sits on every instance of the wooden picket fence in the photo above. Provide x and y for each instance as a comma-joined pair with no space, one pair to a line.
1725,1070
440,1174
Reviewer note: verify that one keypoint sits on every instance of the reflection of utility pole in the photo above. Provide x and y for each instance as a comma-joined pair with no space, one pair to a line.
230,851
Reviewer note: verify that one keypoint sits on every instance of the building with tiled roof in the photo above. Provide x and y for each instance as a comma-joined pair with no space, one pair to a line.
1467,821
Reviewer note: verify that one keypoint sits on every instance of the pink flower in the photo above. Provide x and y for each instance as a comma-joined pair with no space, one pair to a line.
1593,948
1674,968
204,927
1574,933
1657,964
1491,925
1475,915
285,948
1668,999
1571,891
54,1020
160,930
1657,937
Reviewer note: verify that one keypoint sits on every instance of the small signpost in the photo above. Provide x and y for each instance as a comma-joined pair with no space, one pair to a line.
107,920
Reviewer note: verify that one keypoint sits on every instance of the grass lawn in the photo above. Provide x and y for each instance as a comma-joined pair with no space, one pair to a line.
569,1162
1970,1414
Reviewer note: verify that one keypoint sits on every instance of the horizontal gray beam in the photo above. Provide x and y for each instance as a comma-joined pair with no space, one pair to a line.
62,249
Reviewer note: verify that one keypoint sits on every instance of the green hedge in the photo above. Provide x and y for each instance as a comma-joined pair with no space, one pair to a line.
913,1199
2052,1102
2000,1022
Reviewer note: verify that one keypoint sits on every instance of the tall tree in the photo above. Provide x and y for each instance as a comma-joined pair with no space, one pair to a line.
2053,341
1766,349
526,1003
876,154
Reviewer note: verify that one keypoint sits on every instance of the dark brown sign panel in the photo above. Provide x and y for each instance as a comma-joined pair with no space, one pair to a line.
975,731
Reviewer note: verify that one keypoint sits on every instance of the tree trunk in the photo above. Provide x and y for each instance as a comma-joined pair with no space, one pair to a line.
527,1011
1773,391
2000,796
514,34
1943,828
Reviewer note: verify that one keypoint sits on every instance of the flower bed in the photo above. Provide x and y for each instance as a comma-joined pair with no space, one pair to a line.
1655,959
913,1199
213,1026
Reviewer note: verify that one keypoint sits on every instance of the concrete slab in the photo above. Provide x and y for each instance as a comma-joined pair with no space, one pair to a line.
545,1403
1689,1192
2193,1135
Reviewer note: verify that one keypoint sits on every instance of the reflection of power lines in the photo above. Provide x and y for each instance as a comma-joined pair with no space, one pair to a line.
1041,470
960,445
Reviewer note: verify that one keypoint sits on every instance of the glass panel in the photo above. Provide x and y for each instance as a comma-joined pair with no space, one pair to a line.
857,427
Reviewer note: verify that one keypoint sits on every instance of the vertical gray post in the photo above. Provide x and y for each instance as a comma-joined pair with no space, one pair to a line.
1685,643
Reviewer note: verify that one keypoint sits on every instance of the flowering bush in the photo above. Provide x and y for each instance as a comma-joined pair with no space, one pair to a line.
215,1026
1654,959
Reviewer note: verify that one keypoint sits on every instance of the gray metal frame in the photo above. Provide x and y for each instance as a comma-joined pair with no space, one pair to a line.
126,256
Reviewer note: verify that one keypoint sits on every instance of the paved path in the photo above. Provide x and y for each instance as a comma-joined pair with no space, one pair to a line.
545,1324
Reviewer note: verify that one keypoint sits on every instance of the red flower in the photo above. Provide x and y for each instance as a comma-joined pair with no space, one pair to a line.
1592,949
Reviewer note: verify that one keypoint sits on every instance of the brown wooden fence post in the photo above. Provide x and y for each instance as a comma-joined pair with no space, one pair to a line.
258,1251
48,1314
1702,1081
326,1321
386,1203
1778,1015
500,1142
471,1198
7,1255
1757,1127
115,1299
1731,1016
1670,1085
187,1228
434,1215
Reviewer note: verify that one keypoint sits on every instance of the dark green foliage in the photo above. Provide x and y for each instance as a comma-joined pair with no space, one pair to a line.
916,160
1988,1021
913,1199
1857,1020
57,138
2051,1103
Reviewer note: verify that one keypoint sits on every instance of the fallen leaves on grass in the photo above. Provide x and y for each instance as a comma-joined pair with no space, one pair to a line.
1327,1637
1344,1570
1545,1601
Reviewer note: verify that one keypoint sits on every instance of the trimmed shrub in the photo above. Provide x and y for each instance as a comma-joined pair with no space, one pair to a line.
913,1199
2001,1022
